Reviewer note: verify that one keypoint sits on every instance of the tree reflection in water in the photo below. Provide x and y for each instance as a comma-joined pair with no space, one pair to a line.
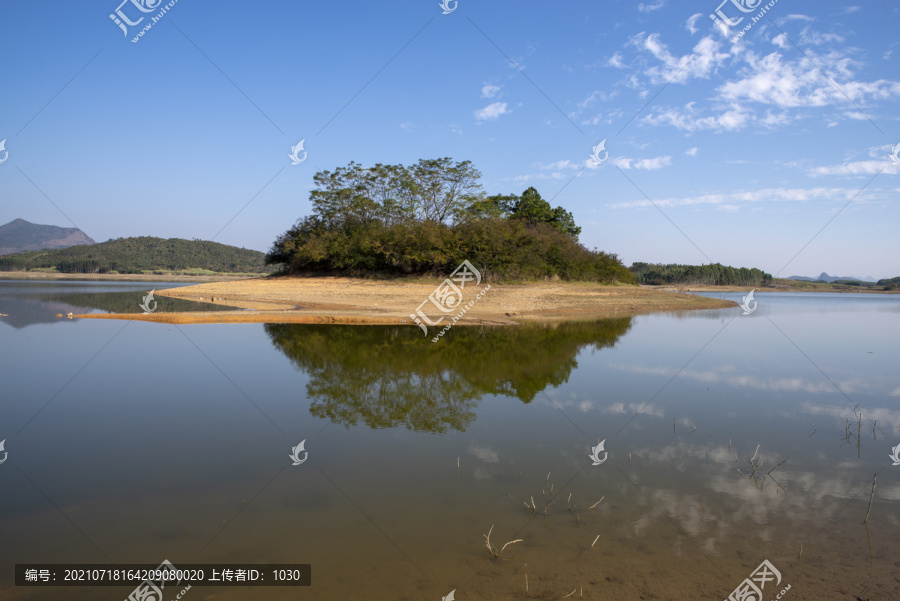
389,376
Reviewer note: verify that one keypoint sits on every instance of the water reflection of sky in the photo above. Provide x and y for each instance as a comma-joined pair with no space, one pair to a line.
151,438
26,303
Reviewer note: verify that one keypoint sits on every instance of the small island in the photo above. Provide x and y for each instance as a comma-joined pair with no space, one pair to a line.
381,238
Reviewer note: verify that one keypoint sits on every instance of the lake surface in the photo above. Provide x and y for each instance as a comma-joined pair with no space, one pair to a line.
728,439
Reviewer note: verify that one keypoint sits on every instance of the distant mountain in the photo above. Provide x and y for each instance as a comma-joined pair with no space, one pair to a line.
824,277
140,255
19,236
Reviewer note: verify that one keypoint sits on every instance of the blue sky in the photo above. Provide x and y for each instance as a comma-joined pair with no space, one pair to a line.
737,152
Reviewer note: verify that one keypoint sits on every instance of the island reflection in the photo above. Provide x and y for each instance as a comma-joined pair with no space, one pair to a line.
389,376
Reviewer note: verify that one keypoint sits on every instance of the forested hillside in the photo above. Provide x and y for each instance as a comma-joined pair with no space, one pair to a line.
139,255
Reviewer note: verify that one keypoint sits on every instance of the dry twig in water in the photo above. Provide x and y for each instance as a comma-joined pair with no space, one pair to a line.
493,550
872,496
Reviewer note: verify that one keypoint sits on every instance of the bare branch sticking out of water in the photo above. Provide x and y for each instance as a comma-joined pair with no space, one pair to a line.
757,468
493,550
591,508
871,497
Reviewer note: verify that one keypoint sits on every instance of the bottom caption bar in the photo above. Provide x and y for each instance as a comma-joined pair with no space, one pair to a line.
163,575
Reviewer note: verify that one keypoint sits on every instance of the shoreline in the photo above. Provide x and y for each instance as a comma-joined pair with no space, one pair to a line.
341,300
682,288
124,277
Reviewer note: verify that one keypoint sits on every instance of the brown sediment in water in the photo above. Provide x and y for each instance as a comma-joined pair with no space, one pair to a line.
363,301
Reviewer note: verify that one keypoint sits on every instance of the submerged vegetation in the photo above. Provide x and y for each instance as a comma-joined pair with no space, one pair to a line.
141,255
707,275
429,217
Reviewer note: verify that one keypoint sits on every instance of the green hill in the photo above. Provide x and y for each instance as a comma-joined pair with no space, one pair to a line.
140,255
890,284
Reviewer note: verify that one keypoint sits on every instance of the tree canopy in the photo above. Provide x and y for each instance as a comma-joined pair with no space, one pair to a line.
427,218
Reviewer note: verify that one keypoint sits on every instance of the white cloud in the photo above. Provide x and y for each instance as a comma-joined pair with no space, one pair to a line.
794,83
616,61
649,8
492,111
691,24
810,37
733,199
857,168
772,80
701,63
489,91
648,164
732,119
795,17
566,164
692,152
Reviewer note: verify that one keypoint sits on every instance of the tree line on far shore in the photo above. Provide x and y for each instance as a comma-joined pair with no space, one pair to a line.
425,219
713,274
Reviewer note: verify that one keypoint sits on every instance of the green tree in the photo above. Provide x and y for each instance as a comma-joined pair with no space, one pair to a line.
534,209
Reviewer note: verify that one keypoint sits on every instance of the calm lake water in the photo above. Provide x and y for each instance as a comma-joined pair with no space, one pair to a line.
729,439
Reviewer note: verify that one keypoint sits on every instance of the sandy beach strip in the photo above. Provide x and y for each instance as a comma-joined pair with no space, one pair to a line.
369,301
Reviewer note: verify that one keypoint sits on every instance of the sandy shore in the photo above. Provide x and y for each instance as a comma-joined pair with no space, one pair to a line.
362,301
